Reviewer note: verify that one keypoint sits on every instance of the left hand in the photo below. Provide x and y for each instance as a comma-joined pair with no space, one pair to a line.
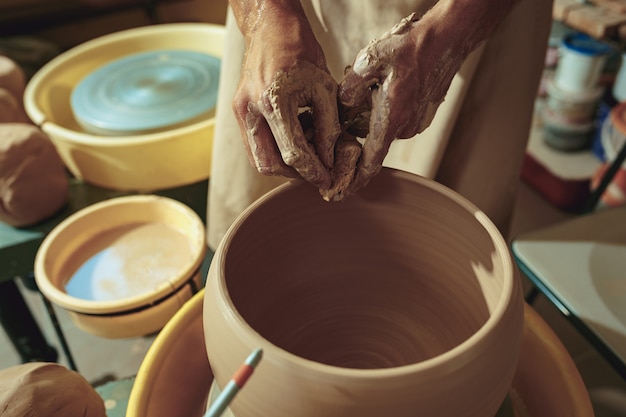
406,74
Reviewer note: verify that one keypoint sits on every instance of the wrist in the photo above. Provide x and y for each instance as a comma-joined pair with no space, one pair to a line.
460,26
280,27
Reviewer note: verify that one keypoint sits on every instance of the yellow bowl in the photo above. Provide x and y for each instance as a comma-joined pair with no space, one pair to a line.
140,258
143,162
175,376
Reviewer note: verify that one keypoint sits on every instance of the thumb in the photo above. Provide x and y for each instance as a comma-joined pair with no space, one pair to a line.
358,81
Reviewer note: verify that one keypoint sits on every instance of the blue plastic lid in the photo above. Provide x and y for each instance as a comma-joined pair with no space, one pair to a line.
147,91
585,44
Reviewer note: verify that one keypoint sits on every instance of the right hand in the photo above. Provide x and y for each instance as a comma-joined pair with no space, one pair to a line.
403,77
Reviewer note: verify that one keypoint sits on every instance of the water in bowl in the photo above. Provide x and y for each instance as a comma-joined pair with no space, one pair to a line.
127,261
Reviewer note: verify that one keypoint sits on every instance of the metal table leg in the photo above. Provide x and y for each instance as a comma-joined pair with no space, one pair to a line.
21,327
31,284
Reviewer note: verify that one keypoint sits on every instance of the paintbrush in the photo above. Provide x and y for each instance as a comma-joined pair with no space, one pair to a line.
235,384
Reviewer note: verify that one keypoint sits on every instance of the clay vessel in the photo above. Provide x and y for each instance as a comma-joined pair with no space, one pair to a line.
402,300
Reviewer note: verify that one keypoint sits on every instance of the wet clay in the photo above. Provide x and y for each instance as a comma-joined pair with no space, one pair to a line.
10,108
12,85
12,77
33,181
347,153
47,389
127,261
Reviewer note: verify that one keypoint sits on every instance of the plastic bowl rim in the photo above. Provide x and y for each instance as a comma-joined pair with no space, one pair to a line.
129,304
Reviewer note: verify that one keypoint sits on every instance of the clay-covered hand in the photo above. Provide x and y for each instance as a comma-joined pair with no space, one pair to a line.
404,76
284,74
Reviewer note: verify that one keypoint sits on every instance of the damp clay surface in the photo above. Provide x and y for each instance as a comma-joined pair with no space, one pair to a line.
127,261
47,389
402,297
355,290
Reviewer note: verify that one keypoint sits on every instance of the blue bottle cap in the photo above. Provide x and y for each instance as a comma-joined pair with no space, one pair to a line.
585,44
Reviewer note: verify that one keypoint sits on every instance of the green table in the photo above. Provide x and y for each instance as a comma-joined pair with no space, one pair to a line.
115,395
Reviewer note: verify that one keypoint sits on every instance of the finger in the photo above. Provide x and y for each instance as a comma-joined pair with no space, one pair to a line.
377,143
325,121
348,151
262,150
357,80
295,150
354,88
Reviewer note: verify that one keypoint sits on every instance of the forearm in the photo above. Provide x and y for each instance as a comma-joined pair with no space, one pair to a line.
281,26
448,33
251,15
465,24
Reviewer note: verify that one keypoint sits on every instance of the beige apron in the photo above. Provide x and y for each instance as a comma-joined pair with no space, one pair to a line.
474,145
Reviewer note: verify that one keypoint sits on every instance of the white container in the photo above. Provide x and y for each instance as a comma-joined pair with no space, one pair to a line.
567,138
572,107
569,117
619,86
581,63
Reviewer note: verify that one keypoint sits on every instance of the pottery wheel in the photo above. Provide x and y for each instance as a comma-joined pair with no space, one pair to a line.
147,92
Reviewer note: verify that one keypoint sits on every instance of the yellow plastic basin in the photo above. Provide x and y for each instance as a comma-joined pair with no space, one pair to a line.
143,162
175,377
135,261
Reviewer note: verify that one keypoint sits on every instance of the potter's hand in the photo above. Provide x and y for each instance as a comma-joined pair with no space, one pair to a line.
404,76
405,91
284,73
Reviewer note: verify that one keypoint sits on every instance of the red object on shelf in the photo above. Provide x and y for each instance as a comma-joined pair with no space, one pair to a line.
563,178
566,194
